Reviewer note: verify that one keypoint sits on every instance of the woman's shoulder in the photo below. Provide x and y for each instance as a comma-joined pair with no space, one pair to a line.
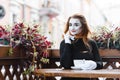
92,41
62,42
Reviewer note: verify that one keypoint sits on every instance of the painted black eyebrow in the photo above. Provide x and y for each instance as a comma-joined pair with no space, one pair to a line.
76,24
70,24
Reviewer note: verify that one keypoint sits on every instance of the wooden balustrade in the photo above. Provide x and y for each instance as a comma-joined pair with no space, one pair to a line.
12,68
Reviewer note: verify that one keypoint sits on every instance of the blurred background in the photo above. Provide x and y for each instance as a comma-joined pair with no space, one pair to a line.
52,14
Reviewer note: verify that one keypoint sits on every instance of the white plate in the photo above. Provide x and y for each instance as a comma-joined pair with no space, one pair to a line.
75,68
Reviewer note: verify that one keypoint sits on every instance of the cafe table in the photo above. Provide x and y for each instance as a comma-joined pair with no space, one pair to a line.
107,73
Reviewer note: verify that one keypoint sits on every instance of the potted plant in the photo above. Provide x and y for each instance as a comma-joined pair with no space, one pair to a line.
4,41
27,38
108,40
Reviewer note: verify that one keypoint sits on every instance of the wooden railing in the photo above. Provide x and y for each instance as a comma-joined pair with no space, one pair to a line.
12,68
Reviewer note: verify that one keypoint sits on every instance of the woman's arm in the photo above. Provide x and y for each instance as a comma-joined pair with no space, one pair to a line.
65,55
96,55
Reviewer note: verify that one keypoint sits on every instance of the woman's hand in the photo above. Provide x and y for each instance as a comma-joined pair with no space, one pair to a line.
68,38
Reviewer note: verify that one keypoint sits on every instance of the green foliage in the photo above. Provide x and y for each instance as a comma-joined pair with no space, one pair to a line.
107,38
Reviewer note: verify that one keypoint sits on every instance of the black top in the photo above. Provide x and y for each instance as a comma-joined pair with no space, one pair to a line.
78,50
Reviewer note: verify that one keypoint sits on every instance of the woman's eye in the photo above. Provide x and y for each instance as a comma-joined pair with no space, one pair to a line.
70,24
76,24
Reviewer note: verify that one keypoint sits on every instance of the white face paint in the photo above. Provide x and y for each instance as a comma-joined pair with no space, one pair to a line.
75,26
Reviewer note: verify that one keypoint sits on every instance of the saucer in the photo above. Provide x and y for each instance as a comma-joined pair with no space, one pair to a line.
78,68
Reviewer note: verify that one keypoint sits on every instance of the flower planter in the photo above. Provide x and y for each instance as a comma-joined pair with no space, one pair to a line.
109,52
17,52
4,50
3,41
